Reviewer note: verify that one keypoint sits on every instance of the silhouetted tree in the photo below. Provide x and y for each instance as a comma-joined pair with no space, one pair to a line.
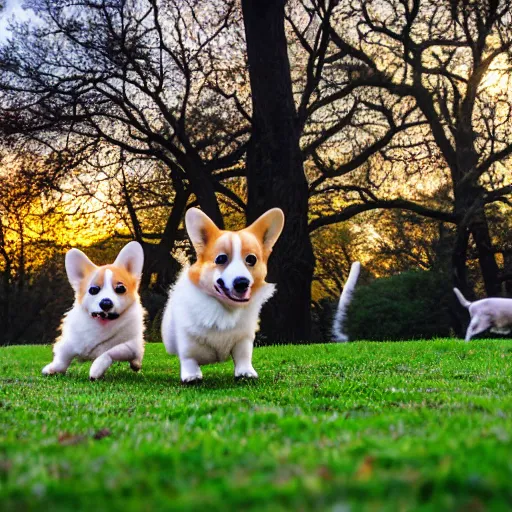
26,206
447,57
140,76
275,174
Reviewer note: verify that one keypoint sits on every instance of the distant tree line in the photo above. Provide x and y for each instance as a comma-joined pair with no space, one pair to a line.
331,110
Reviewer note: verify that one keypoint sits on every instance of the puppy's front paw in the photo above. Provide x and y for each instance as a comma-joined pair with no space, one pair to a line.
48,370
135,365
51,369
95,375
190,372
192,379
246,373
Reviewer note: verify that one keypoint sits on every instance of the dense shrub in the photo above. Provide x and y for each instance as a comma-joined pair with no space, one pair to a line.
410,305
406,306
32,314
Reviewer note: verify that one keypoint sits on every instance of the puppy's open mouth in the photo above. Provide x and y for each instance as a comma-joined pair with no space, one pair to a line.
234,296
101,315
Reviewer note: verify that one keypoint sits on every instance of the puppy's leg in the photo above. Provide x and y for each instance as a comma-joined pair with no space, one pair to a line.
62,357
136,362
124,352
190,371
242,357
477,325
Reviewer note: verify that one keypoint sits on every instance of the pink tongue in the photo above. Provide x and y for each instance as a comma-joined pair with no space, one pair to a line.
102,321
242,296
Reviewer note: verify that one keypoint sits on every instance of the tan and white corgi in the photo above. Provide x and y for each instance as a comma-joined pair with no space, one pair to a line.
106,323
214,306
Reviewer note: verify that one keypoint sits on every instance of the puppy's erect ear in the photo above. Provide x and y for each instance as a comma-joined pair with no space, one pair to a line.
268,227
131,258
78,265
200,228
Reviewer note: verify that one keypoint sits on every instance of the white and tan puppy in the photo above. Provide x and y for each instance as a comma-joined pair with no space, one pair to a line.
106,323
213,308
494,313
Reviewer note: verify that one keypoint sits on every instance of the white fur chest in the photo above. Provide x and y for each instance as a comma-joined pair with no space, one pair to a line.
91,338
196,318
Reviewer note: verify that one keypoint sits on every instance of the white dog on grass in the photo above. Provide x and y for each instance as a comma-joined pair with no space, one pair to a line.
494,313
106,323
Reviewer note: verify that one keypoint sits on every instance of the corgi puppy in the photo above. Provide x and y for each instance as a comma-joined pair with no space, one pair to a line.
106,323
214,306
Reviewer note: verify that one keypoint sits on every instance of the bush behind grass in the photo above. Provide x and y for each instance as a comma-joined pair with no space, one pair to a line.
410,305
406,306
387,426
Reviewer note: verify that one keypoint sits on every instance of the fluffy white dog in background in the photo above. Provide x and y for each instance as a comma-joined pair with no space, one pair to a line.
494,313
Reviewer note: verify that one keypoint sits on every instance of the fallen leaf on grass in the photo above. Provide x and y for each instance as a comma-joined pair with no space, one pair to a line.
67,439
475,505
100,434
325,473
5,466
365,470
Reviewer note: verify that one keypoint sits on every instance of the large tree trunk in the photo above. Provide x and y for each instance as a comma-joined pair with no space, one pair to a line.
486,254
275,173
459,259
507,273
469,206
203,188
157,257
471,219
460,278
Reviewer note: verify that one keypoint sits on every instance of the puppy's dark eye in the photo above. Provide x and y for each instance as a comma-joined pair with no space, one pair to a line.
251,260
221,259
94,290
120,289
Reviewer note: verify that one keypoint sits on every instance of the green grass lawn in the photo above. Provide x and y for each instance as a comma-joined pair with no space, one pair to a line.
371,426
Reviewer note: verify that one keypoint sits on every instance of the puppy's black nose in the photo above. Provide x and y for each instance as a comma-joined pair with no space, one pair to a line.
220,282
106,304
240,284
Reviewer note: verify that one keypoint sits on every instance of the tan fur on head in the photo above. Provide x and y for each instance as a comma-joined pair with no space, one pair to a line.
78,268
267,228
120,275
126,269
209,242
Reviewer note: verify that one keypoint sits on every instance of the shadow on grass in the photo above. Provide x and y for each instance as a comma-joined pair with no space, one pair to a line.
121,377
